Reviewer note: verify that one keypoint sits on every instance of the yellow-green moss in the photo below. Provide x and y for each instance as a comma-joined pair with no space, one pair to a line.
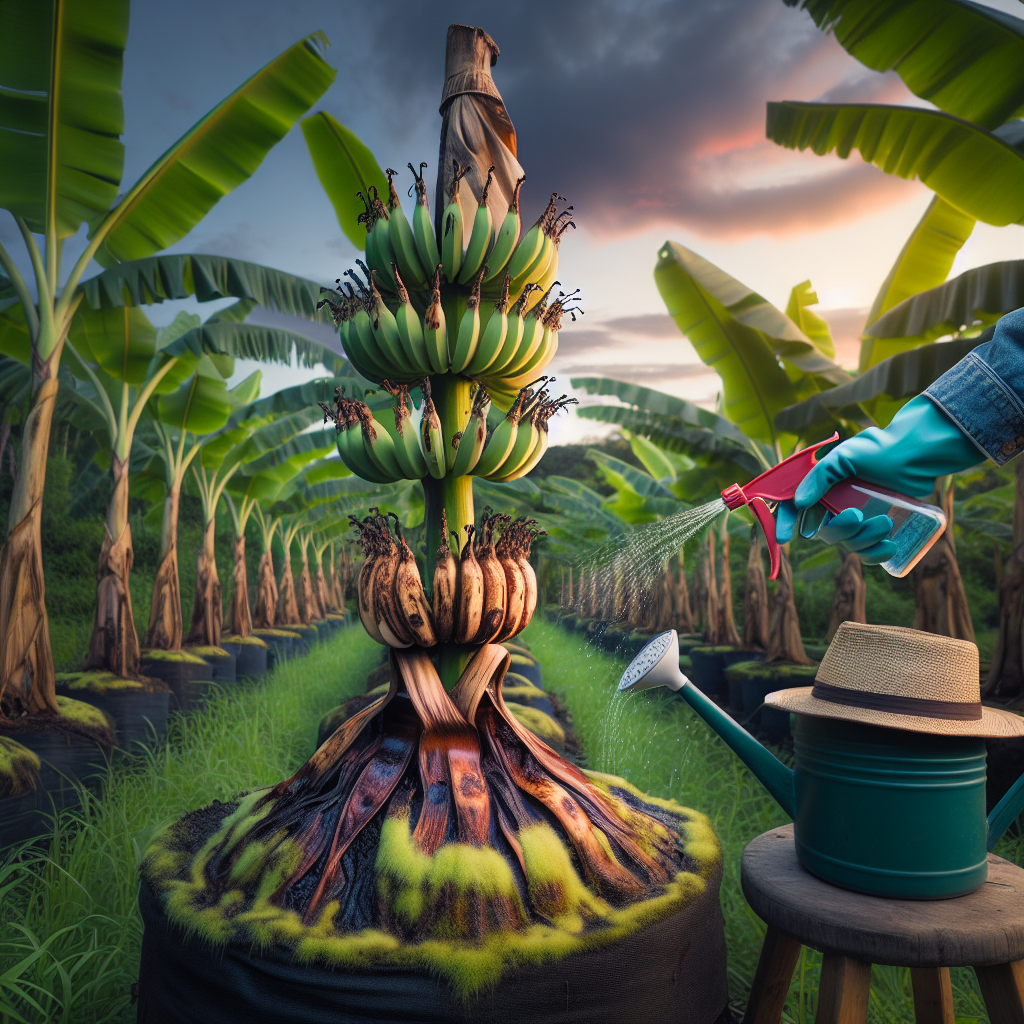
180,657
98,683
244,641
209,652
518,687
522,659
19,768
539,723
87,715
517,648
280,634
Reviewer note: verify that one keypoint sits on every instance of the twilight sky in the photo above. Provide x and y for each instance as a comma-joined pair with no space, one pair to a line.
647,114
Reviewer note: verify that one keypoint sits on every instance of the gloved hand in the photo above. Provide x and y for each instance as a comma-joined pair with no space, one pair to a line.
920,444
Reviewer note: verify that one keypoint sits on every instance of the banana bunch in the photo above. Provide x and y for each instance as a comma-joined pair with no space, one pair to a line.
392,322
516,445
487,594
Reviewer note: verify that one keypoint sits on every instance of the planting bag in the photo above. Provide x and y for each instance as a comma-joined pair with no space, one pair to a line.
137,717
671,972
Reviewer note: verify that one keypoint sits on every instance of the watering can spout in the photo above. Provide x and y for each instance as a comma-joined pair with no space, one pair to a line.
657,664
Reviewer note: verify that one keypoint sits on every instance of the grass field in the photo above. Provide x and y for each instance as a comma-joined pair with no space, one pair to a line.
69,927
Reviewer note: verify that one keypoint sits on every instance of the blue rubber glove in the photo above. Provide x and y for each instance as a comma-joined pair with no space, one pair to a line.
920,444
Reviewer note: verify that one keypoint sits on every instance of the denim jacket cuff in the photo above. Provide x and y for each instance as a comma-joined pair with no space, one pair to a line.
983,407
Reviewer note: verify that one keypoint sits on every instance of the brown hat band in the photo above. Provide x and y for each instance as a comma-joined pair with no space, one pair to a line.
918,706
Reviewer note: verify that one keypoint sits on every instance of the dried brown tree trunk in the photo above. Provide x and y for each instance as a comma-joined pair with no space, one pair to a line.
939,596
755,598
849,602
207,608
166,627
1006,675
727,632
681,602
784,641
238,613
309,609
708,594
266,594
287,612
27,682
320,591
114,644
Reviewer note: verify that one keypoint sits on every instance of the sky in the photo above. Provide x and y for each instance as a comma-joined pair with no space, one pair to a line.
648,115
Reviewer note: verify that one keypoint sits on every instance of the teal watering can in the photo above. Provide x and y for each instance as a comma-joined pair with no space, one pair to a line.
884,811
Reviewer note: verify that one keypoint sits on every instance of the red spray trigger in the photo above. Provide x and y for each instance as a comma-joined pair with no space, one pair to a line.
774,485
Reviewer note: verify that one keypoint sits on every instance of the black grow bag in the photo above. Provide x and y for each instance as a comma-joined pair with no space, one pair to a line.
250,659
22,818
139,718
672,972
187,681
65,759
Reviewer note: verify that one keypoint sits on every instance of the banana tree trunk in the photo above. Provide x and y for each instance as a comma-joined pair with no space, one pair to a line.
939,595
339,581
320,591
755,598
166,626
309,611
709,592
114,645
727,632
207,609
683,609
1006,674
239,614
27,683
287,612
849,602
266,594
784,641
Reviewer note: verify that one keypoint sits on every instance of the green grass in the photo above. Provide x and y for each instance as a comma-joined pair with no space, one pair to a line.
654,740
77,901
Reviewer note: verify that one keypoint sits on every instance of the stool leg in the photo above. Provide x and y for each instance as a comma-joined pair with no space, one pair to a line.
779,955
1003,990
843,990
933,995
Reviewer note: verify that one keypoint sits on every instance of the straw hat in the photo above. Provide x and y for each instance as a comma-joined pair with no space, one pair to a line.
900,678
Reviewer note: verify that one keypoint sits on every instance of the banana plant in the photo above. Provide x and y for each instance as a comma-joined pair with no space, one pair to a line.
265,611
61,119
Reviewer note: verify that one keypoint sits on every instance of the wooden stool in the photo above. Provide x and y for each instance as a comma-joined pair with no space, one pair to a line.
983,930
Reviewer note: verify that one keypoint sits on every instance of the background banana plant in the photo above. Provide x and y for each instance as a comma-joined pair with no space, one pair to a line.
61,119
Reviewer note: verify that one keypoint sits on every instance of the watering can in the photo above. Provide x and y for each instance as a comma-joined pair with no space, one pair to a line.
884,811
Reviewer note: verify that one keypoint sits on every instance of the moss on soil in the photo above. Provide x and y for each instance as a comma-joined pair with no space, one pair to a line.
718,649
526,660
87,716
98,683
209,651
180,657
280,634
785,675
19,768
540,724
245,641
521,686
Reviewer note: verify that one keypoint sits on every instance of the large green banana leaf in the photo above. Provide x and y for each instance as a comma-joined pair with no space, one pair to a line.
664,466
203,404
217,154
122,342
345,166
300,396
267,344
975,170
966,58
15,340
639,498
743,338
61,114
159,278
981,294
900,377
814,327
924,262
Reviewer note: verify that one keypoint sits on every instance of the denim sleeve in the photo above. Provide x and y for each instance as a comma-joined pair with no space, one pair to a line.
984,393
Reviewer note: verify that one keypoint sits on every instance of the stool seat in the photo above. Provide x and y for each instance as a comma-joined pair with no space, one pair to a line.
984,927
983,930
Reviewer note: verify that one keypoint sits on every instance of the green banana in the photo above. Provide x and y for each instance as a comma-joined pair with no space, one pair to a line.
514,333
431,435
529,248
471,444
385,331
541,417
423,226
536,270
402,242
508,235
469,329
383,254
480,237
435,337
403,433
451,230
378,445
526,438
502,438
545,352
533,335
410,330
492,338
349,439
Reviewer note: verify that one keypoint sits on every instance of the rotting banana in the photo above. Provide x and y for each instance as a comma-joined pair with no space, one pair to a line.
410,601
515,584
403,244
423,225
364,586
391,627
480,236
469,329
492,337
446,579
471,593
471,444
495,590
452,230
507,237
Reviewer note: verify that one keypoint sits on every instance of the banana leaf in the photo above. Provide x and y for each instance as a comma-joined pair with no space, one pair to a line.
638,481
975,170
900,377
965,58
814,327
981,294
267,344
61,113
15,340
156,279
122,342
662,465
203,404
215,155
345,166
